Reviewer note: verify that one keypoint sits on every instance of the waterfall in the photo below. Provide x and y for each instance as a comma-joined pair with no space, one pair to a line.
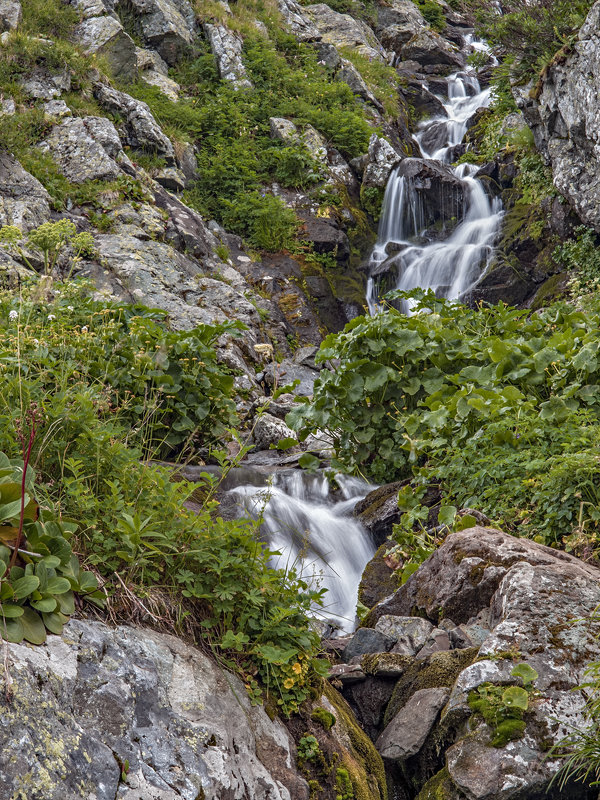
315,533
420,259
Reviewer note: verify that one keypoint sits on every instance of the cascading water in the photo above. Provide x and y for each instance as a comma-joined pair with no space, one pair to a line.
315,534
452,266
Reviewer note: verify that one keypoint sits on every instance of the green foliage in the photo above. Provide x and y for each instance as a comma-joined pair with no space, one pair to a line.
168,385
48,241
499,408
117,388
343,785
371,198
308,748
531,32
432,13
325,718
580,255
381,78
263,219
36,593
503,707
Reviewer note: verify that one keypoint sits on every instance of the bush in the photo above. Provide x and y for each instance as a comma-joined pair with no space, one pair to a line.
501,409
264,220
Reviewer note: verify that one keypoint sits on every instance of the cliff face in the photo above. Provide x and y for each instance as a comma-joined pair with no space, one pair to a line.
564,114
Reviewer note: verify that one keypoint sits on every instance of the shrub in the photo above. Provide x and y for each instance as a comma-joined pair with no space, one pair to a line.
264,220
500,409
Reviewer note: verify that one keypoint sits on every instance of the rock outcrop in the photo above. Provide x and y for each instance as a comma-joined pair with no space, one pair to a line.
497,601
565,119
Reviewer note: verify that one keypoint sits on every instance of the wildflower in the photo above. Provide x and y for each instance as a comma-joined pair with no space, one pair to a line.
297,668
51,317
288,683
12,315
70,308
84,329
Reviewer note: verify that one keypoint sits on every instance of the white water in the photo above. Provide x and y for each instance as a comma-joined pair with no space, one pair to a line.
454,266
315,534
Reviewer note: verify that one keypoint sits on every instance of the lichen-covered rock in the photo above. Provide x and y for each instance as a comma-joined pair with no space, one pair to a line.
342,30
105,35
565,120
23,200
44,85
410,634
11,14
227,49
78,148
167,26
297,21
382,158
109,696
268,430
141,129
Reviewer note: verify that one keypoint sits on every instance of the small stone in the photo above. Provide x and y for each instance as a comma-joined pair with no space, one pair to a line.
367,640
56,109
11,14
171,178
437,641
7,107
347,673
409,633
407,732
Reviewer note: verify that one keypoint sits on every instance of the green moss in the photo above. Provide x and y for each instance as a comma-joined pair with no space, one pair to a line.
363,764
440,787
440,669
378,579
325,718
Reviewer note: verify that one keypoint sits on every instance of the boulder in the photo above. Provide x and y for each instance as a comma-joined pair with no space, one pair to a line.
410,634
11,14
286,371
342,30
155,71
382,158
406,733
141,130
106,37
227,49
429,49
84,149
56,110
186,229
23,200
399,12
113,695
379,511
167,26
350,75
269,430
367,640
565,118
441,193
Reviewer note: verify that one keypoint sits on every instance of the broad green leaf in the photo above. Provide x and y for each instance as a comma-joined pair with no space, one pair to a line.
10,611
11,630
24,586
515,697
34,629
446,515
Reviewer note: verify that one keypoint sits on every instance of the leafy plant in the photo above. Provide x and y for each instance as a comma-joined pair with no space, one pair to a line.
503,707
48,240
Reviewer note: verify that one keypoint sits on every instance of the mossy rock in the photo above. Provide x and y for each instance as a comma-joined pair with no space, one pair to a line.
361,760
440,669
378,579
440,787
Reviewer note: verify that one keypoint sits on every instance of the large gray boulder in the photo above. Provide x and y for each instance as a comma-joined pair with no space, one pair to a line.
155,71
429,49
565,120
96,697
141,130
167,26
532,605
23,200
342,30
441,193
227,49
297,22
397,23
381,160
85,148
105,35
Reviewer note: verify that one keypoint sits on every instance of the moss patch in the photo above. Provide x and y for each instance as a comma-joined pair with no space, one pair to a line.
440,669
440,787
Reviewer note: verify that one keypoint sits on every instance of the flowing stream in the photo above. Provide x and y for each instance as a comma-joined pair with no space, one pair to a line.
418,257
315,533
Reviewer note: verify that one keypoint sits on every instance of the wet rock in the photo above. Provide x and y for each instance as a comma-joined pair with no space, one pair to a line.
11,14
565,117
406,733
23,200
167,26
379,511
367,640
105,36
325,235
342,30
422,99
141,129
410,634
186,728
441,193
429,49
379,579
382,158
75,147
227,49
